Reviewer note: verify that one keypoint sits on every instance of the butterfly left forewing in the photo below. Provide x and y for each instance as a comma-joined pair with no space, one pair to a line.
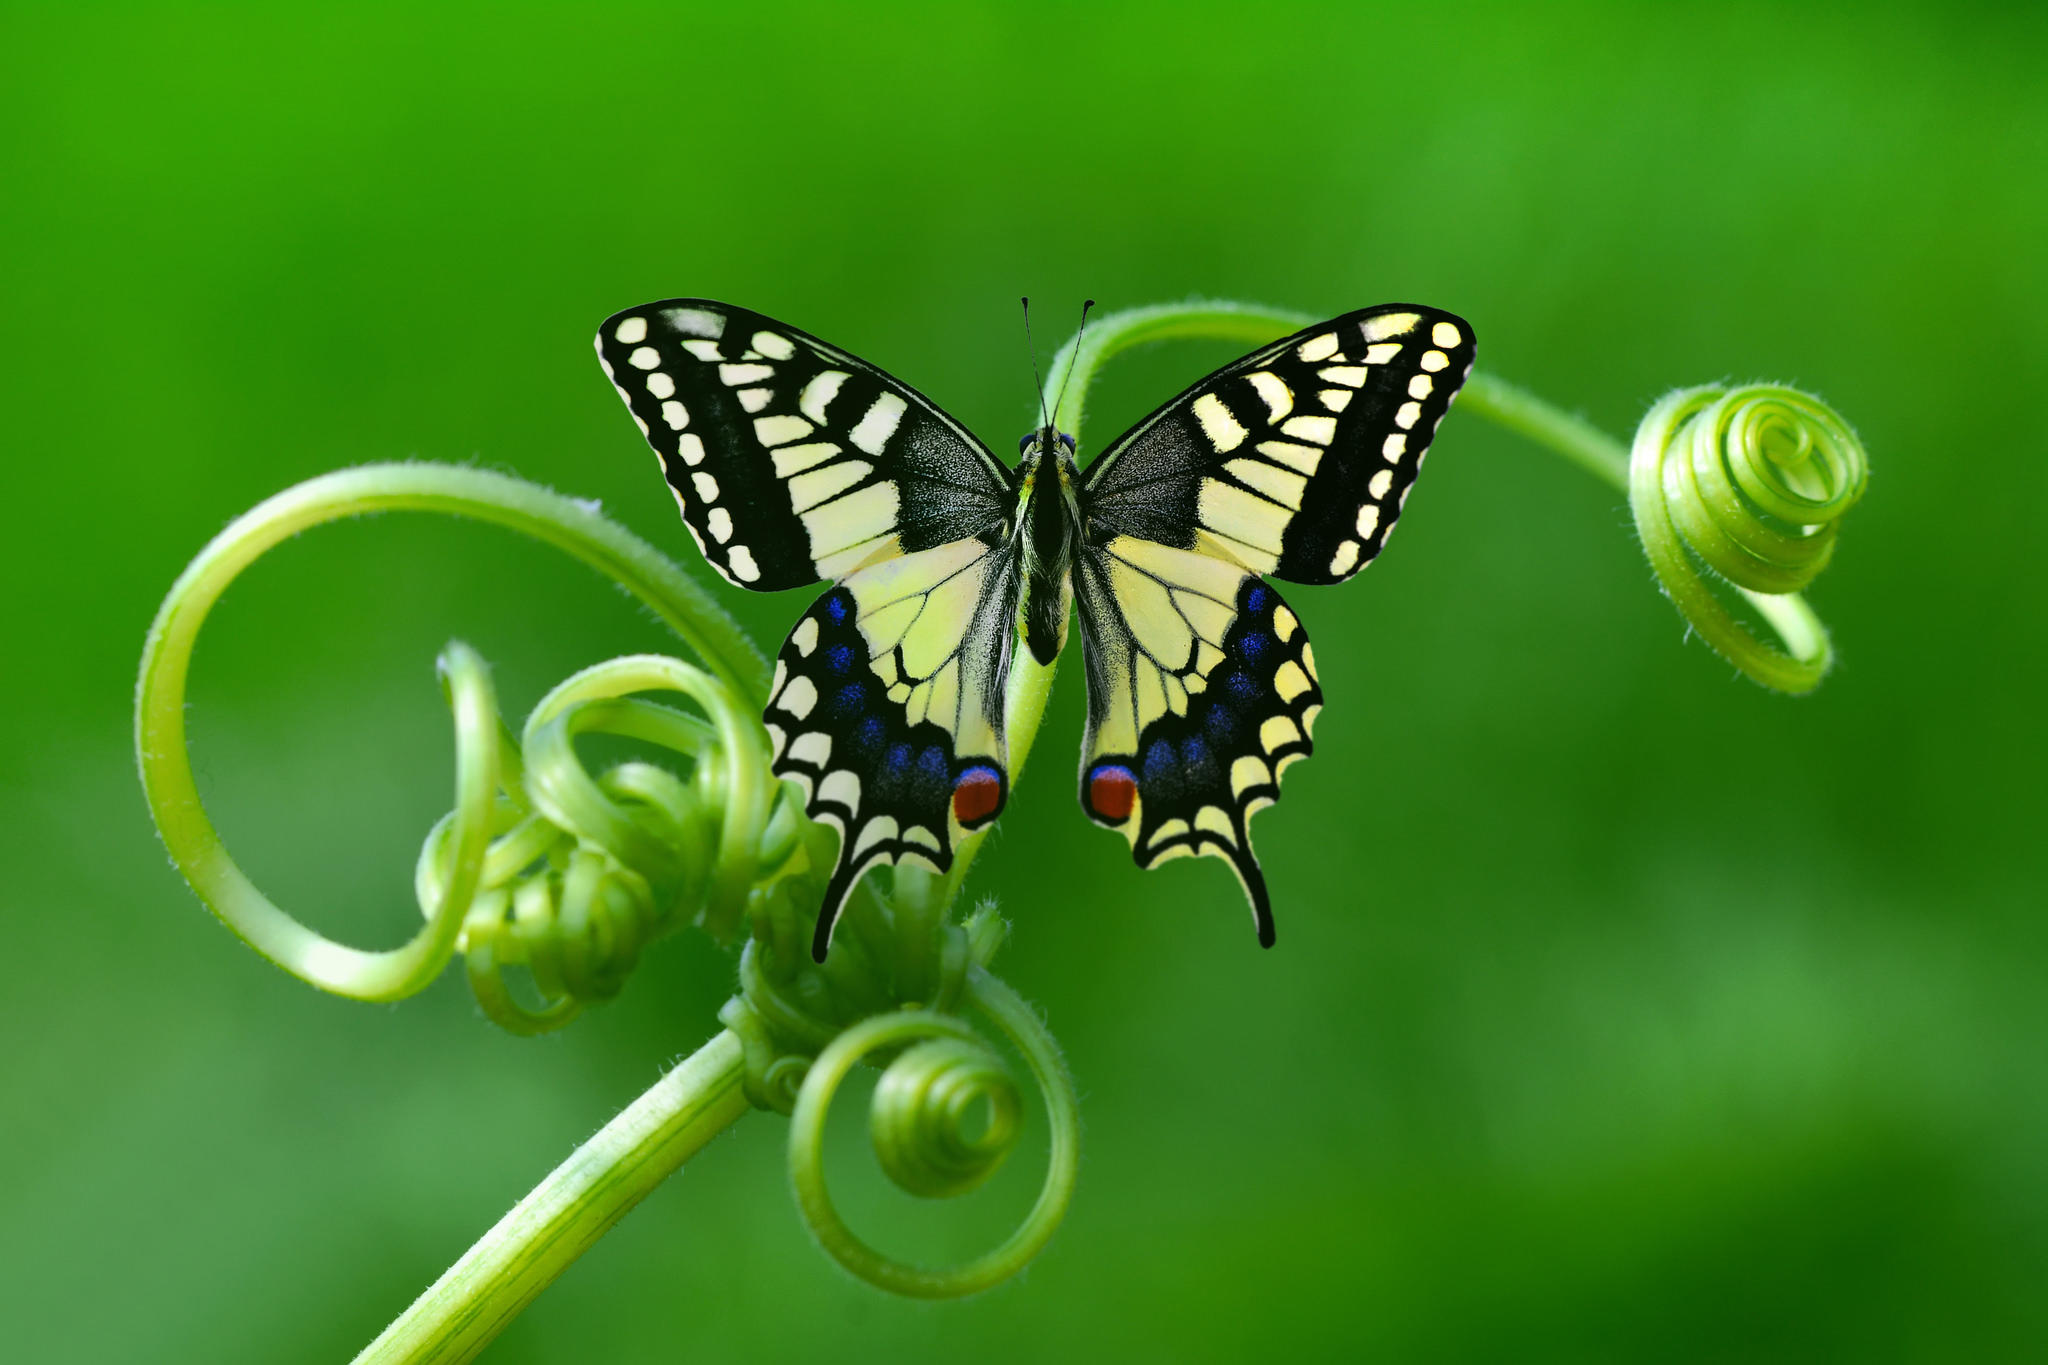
790,460
886,708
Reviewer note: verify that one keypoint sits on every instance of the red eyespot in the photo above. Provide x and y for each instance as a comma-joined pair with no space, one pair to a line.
977,796
1112,791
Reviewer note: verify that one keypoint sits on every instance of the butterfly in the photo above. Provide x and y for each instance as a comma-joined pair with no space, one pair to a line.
793,462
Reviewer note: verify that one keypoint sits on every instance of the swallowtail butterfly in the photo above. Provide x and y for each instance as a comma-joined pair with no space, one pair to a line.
793,462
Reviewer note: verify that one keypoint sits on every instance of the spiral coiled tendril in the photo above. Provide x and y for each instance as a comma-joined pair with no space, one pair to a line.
944,1117
1752,482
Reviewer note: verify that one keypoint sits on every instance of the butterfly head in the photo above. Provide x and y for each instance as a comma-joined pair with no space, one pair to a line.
1035,447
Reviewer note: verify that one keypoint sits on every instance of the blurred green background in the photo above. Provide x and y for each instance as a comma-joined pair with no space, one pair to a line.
1623,1011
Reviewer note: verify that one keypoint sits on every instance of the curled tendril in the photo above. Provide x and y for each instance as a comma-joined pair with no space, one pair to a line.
540,864
944,1117
1752,482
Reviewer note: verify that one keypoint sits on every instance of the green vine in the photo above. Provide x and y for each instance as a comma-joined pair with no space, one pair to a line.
546,874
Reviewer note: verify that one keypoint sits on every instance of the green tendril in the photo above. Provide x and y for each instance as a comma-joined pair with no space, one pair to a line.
609,886
929,1136
1753,481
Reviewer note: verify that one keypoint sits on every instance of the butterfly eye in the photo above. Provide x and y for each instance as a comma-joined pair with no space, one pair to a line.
1025,442
1068,442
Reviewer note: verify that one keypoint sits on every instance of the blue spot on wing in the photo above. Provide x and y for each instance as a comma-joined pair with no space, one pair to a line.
836,607
1255,597
850,700
840,657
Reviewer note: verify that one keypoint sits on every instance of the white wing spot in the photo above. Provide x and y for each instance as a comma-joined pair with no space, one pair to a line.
799,697
805,636
630,332
1390,325
1284,624
691,449
781,429
1218,425
753,400
675,414
732,376
1408,415
1318,348
696,322
819,393
1395,448
1346,558
1380,483
1336,400
706,486
644,358
840,786
1369,519
813,747
660,385
704,350
1420,385
878,424
1321,430
1350,376
1434,360
774,345
741,560
1381,354
1444,334
720,522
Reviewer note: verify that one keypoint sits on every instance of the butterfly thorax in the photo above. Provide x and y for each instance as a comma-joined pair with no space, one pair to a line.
1047,523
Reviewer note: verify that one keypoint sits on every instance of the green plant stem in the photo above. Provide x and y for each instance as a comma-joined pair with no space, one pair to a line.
575,1205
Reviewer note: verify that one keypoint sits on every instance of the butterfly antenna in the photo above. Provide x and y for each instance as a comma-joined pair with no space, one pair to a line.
1086,304
1032,347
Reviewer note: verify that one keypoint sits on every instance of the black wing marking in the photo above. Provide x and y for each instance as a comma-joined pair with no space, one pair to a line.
791,460
887,708
1201,689
1293,461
